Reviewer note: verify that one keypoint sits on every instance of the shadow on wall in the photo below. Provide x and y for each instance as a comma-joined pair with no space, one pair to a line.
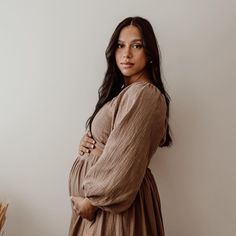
175,169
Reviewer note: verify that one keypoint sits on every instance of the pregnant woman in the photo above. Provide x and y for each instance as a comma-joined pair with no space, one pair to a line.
113,192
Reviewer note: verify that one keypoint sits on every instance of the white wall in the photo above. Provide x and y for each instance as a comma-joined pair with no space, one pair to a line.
51,65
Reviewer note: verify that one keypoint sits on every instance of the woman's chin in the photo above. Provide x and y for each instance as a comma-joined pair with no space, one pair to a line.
127,73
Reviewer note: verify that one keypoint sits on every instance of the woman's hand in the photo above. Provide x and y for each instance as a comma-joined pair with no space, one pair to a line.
87,143
84,208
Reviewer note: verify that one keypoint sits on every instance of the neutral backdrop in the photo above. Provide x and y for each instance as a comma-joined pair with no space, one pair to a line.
51,65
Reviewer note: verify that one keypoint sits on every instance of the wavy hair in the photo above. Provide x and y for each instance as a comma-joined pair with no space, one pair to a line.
114,80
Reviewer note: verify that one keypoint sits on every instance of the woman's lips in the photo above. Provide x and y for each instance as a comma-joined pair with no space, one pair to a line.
127,64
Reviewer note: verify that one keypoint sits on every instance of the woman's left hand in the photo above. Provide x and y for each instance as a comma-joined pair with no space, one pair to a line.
84,208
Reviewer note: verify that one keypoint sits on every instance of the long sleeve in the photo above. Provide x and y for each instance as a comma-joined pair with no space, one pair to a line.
114,180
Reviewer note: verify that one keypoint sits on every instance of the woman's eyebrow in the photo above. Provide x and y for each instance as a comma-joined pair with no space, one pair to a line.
134,40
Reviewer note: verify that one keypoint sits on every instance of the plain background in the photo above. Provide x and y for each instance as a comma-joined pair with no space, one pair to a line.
51,65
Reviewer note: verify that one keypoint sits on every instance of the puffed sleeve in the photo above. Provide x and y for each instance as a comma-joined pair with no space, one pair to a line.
114,180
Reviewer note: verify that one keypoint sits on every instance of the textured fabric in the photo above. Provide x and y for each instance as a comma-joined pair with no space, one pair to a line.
129,129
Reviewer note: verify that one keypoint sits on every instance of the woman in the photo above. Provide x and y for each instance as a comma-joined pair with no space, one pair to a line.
112,189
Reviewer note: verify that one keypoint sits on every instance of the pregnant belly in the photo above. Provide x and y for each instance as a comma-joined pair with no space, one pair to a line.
79,170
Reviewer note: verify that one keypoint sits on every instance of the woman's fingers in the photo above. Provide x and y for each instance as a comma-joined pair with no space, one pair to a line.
76,202
89,134
86,144
89,139
84,149
83,207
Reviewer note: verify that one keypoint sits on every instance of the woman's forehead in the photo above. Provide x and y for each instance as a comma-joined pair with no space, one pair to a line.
130,33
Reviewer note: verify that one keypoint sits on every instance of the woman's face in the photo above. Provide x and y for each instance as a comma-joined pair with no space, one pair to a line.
130,55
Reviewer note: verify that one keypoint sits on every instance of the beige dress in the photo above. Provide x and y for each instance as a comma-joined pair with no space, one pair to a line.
129,129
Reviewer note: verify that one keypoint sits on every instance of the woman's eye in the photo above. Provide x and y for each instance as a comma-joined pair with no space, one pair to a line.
120,45
137,46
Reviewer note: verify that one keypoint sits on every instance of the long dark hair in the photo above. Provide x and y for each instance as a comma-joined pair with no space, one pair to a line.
113,80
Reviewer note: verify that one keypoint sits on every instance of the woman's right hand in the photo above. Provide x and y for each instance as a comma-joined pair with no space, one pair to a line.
87,143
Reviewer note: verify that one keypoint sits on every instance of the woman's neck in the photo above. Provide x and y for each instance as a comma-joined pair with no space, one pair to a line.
142,76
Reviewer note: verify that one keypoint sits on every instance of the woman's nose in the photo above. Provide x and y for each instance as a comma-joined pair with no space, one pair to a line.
127,52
